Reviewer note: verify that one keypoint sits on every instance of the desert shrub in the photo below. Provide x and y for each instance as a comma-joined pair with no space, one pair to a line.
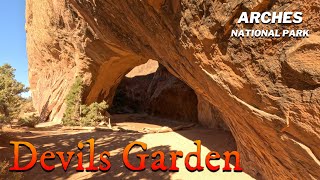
29,121
93,114
5,119
6,174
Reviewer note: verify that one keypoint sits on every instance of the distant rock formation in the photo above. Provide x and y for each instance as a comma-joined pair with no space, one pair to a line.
267,91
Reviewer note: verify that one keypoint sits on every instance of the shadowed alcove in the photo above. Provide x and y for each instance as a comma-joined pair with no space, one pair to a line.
151,89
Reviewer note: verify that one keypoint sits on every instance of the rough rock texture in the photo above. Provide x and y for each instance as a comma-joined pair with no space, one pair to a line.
209,116
131,94
168,97
160,94
267,90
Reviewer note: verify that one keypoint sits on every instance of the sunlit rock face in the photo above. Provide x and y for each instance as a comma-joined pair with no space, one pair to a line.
266,90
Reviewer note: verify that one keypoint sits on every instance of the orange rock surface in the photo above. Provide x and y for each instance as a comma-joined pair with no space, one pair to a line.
266,90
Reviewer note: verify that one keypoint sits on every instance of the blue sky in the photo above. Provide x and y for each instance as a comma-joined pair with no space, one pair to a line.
13,38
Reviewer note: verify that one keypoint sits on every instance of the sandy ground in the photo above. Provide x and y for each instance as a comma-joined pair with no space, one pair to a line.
56,139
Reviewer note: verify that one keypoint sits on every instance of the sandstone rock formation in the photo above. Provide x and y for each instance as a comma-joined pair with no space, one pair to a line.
267,90
149,67
209,116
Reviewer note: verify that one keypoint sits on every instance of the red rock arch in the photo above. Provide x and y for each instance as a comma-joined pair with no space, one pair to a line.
275,124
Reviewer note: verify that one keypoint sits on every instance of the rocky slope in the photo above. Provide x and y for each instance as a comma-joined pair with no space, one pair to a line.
266,90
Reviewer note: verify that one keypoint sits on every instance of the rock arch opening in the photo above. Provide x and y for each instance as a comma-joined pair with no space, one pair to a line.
151,89
150,97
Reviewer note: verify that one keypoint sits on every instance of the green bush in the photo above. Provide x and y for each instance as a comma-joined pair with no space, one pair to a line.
30,121
92,115
76,113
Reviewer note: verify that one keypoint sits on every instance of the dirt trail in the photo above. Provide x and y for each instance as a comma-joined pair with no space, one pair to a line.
56,139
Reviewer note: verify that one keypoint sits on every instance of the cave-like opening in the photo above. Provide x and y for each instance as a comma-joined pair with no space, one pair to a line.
149,96
151,89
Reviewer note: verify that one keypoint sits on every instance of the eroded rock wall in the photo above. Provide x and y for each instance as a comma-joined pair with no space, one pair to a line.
267,90
209,116
169,97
